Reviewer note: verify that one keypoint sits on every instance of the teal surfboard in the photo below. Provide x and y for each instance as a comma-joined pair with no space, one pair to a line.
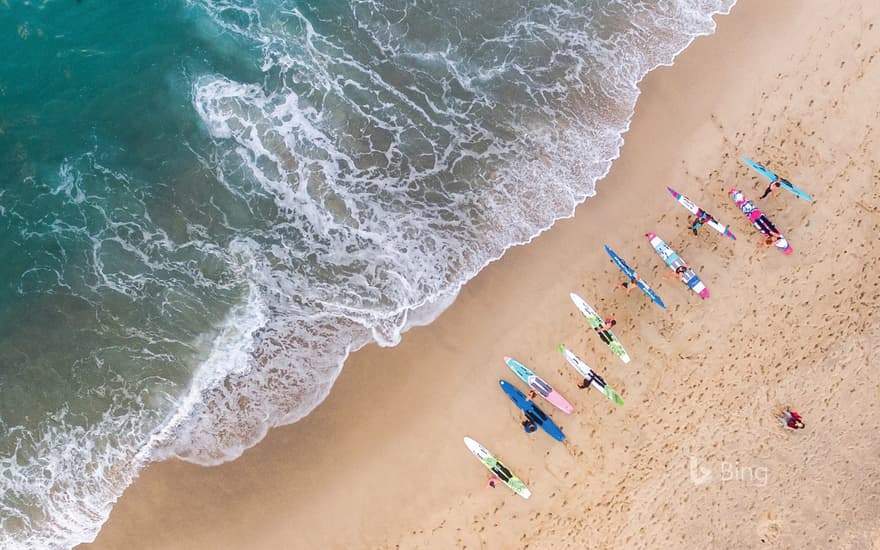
770,175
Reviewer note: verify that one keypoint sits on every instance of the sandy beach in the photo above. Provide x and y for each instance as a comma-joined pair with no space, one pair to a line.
695,457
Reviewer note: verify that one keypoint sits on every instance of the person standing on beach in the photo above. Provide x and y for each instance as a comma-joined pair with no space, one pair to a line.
628,286
678,273
698,222
774,187
528,425
791,419
602,330
492,481
770,241
585,385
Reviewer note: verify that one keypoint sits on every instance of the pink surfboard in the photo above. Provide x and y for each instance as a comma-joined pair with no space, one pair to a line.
535,382
759,220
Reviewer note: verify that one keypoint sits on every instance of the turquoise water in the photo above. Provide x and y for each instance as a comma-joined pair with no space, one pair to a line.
207,205
105,287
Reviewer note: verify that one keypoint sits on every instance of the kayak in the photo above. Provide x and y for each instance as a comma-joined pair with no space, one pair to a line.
633,276
596,322
697,211
535,382
584,370
770,175
532,411
759,220
500,470
674,261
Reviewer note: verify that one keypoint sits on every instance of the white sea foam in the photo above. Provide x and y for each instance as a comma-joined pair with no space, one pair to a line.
392,254
60,483
373,235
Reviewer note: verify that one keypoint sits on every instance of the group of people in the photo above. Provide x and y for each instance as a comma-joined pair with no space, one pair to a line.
786,417
773,234
631,284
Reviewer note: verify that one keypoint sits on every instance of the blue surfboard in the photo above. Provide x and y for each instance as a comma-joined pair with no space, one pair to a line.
770,175
532,411
630,272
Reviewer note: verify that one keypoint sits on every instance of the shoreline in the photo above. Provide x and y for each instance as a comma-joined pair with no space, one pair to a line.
160,450
414,402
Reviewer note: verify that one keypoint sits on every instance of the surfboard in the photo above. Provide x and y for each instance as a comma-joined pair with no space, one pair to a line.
674,261
630,272
759,220
532,411
596,322
535,382
770,175
584,370
697,211
503,473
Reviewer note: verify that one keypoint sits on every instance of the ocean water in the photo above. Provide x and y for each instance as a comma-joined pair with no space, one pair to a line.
205,206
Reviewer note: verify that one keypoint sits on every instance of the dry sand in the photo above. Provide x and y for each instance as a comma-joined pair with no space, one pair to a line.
381,464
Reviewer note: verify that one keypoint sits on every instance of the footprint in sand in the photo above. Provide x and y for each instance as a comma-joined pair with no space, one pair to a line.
768,528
